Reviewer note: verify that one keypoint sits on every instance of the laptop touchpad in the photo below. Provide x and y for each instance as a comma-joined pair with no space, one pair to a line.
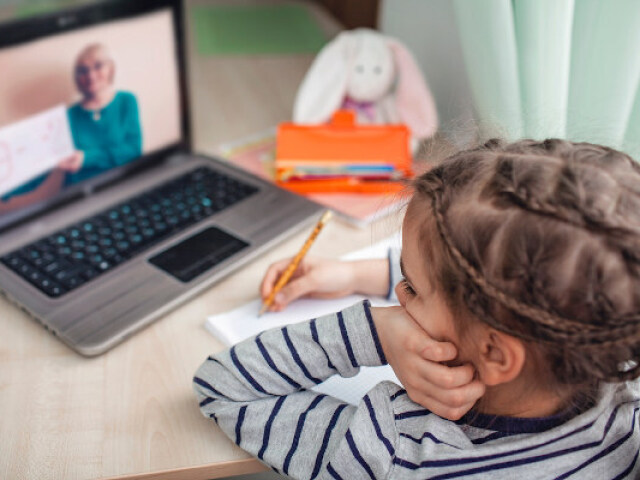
198,253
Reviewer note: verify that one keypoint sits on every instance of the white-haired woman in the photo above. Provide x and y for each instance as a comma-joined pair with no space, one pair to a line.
105,123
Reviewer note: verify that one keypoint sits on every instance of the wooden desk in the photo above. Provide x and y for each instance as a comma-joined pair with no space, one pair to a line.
131,412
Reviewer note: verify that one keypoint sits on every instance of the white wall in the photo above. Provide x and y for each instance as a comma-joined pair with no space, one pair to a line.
428,28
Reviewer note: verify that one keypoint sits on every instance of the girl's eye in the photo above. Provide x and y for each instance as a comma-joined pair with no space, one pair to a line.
408,289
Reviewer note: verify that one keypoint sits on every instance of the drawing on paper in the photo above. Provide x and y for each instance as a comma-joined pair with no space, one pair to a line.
33,146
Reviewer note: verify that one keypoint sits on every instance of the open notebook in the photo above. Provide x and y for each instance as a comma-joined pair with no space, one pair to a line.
243,322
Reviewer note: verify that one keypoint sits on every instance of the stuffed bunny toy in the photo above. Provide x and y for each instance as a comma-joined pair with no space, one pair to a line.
372,74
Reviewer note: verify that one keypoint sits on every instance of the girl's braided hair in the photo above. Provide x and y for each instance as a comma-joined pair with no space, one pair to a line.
541,240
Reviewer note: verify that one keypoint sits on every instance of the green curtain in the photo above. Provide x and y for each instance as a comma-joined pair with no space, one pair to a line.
554,68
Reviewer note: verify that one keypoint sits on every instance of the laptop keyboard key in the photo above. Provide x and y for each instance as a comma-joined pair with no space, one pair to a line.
57,265
50,288
73,271
13,262
90,273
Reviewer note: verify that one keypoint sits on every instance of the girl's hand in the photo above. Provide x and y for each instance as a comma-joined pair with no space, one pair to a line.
318,277
315,277
416,359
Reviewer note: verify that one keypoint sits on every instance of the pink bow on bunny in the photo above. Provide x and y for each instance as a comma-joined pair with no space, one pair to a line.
372,74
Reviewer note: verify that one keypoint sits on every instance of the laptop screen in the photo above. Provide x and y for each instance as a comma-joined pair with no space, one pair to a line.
83,107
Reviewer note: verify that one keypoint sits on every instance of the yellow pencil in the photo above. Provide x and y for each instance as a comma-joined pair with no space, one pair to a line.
286,275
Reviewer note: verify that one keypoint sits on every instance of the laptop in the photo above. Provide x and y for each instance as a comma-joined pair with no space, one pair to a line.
107,219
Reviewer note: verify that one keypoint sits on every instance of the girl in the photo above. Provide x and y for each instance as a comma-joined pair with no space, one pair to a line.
526,258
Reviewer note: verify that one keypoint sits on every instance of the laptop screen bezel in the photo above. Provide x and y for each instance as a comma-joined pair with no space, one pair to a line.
17,32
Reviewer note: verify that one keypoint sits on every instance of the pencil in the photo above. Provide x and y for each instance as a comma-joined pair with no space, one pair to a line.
286,275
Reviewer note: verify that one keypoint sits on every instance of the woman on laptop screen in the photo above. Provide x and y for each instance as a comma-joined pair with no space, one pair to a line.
105,127
105,124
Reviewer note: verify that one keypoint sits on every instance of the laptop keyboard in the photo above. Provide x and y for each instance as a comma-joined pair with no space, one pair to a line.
72,256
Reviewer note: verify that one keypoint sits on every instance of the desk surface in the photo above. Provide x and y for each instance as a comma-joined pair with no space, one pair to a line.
131,412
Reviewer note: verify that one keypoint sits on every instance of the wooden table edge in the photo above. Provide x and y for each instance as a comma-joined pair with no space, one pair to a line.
201,472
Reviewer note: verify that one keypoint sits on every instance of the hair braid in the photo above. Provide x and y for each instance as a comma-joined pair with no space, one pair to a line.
544,317
562,204
572,331
571,291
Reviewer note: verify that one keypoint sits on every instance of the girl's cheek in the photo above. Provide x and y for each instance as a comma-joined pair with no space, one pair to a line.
401,294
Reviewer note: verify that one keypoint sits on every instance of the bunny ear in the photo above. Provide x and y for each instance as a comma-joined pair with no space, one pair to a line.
414,102
324,86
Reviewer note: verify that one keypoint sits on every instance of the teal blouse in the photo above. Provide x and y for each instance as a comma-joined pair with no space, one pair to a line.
110,140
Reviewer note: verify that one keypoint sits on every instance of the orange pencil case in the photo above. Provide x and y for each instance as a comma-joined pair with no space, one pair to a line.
342,156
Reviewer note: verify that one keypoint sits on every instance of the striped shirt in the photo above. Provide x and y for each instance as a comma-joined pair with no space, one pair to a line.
258,394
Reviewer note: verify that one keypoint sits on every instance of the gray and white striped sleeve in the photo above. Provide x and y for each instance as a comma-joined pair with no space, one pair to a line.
257,394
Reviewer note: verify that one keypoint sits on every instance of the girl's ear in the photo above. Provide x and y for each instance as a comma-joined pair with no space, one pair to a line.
414,102
501,357
323,88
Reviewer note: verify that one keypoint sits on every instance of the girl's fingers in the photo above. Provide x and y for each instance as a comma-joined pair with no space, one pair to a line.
271,276
431,396
441,409
439,351
429,348
446,377
296,288
461,396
